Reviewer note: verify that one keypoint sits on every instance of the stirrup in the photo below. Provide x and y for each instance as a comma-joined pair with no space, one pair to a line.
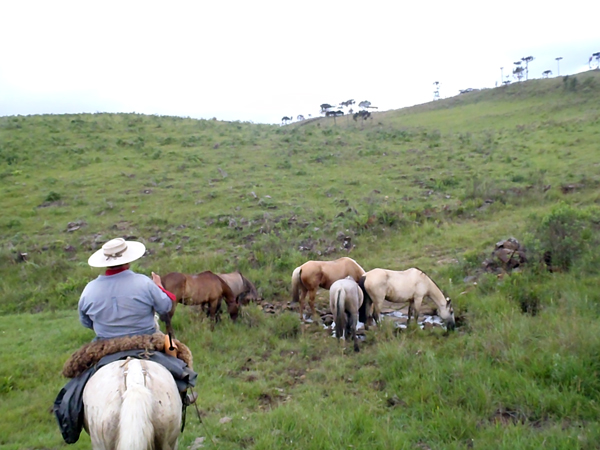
190,398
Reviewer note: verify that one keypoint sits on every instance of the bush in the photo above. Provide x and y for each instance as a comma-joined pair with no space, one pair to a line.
563,235
285,325
524,291
253,316
53,197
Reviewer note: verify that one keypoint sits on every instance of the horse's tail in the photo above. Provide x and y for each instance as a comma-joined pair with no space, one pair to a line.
367,301
340,317
136,431
296,283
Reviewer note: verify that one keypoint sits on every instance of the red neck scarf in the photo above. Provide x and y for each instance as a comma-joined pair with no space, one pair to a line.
110,271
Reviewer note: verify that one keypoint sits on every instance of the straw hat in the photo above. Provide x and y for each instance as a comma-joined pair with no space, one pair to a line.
117,252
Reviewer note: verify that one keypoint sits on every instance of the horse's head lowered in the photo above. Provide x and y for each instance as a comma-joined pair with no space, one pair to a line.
447,314
233,308
250,293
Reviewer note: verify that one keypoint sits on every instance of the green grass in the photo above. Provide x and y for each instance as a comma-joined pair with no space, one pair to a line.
433,186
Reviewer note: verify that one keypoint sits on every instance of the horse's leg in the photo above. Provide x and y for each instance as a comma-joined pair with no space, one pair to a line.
352,322
375,314
302,300
417,306
213,309
311,301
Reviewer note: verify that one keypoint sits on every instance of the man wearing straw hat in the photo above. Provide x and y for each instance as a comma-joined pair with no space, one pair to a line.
117,304
122,302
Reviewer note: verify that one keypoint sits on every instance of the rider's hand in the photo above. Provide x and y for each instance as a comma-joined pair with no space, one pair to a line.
156,279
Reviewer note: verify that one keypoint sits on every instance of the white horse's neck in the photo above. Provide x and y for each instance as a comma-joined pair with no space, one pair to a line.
436,294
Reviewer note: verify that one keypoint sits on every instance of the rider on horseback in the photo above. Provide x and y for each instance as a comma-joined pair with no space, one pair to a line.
119,304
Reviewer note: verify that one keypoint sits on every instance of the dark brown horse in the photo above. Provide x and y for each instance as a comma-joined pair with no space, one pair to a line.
312,275
243,289
204,289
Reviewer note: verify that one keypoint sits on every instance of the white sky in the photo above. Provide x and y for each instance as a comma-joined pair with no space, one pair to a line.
260,60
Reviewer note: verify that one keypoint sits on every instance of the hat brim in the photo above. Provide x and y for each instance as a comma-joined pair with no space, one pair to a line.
135,250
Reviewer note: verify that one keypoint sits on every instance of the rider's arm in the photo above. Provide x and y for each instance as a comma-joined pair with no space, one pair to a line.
160,306
83,317
162,299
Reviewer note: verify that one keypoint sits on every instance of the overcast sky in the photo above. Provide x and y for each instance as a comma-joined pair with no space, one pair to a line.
260,60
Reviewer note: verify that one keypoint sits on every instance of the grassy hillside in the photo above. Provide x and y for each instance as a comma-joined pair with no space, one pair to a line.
433,186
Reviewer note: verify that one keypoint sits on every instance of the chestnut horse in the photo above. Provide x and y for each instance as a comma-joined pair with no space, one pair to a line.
312,275
345,299
407,286
242,288
132,405
205,289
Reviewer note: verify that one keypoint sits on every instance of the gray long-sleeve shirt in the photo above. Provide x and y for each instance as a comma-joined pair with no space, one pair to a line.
122,305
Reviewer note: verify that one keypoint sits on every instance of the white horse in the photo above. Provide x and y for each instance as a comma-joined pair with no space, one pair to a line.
345,298
406,286
132,404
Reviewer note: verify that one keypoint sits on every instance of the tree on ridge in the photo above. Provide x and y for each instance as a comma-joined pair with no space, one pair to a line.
527,60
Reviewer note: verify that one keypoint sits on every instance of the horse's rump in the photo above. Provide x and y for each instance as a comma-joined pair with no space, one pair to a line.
315,274
68,406
345,299
121,406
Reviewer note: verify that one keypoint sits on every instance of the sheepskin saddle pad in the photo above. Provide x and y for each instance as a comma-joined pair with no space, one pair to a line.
91,353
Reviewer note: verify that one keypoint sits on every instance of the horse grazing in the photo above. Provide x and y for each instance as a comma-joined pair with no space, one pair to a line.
132,405
242,288
205,289
345,299
411,285
312,275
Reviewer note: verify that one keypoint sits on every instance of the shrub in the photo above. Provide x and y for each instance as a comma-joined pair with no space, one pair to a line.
524,291
285,325
563,235
53,197
253,316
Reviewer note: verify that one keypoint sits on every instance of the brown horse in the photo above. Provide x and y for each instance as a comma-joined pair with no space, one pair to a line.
312,275
242,288
205,289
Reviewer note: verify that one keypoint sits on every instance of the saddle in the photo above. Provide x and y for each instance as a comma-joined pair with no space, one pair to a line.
89,355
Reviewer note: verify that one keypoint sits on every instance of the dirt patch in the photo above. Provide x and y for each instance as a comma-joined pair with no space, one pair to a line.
507,416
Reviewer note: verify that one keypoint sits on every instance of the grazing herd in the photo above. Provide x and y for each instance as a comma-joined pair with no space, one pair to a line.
126,415
354,294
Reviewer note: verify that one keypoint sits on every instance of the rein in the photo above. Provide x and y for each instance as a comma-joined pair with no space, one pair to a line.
208,432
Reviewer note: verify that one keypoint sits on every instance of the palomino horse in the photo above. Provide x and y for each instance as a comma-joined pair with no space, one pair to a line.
345,299
407,286
242,288
132,405
312,275
205,289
